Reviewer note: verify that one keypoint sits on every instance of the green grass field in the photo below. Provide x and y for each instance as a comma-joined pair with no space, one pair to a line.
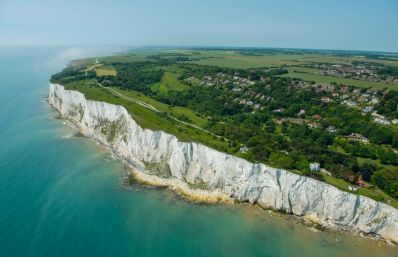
169,82
105,70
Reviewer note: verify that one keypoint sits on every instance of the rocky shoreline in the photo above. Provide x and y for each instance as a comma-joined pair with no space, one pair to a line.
203,174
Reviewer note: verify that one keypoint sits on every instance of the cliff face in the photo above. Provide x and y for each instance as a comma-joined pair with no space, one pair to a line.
161,154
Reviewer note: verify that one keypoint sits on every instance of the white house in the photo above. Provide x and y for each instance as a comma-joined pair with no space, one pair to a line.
315,166
244,149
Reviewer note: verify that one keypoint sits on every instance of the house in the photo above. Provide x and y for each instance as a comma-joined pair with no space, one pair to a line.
313,125
316,116
374,100
344,89
362,183
394,121
249,103
191,78
356,91
331,129
350,103
301,112
279,110
244,149
367,109
326,99
315,166
380,119
357,138
352,188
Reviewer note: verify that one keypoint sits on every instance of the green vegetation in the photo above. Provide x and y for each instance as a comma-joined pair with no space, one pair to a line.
169,82
246,103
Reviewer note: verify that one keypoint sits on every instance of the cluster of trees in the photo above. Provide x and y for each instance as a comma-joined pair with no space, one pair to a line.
389,105
135,75
387,180
386,155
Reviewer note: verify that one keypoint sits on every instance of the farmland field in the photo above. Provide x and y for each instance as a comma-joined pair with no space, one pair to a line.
105,70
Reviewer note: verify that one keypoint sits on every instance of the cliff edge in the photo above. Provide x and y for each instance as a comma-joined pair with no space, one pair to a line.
161,154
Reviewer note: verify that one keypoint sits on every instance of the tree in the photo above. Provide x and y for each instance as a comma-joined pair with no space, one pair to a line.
366,170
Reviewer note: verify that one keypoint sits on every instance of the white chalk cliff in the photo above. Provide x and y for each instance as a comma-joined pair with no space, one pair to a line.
225,174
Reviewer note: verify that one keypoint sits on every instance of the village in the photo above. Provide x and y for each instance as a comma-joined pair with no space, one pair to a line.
355,71
364,100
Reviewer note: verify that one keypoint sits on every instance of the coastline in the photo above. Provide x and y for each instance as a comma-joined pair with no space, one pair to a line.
210,197
199,195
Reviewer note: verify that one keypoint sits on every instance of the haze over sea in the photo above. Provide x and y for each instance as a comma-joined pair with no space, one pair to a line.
60,193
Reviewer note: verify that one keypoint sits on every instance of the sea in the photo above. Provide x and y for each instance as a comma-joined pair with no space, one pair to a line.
60,193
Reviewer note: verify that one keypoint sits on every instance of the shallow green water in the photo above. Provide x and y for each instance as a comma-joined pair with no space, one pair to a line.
60,196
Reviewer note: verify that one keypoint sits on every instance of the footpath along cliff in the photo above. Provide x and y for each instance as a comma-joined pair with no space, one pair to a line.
162,158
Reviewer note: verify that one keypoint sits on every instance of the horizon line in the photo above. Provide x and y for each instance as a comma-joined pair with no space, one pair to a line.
215,47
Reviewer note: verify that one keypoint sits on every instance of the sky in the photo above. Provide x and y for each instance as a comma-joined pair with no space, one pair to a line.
321,24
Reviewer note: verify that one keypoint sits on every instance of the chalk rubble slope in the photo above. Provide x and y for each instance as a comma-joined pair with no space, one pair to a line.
225,174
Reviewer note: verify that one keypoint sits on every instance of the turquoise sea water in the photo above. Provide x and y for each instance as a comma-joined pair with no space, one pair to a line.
60,196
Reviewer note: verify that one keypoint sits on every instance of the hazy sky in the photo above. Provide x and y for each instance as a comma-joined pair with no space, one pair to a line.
338,24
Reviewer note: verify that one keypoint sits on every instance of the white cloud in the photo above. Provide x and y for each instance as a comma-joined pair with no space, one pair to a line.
73,53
